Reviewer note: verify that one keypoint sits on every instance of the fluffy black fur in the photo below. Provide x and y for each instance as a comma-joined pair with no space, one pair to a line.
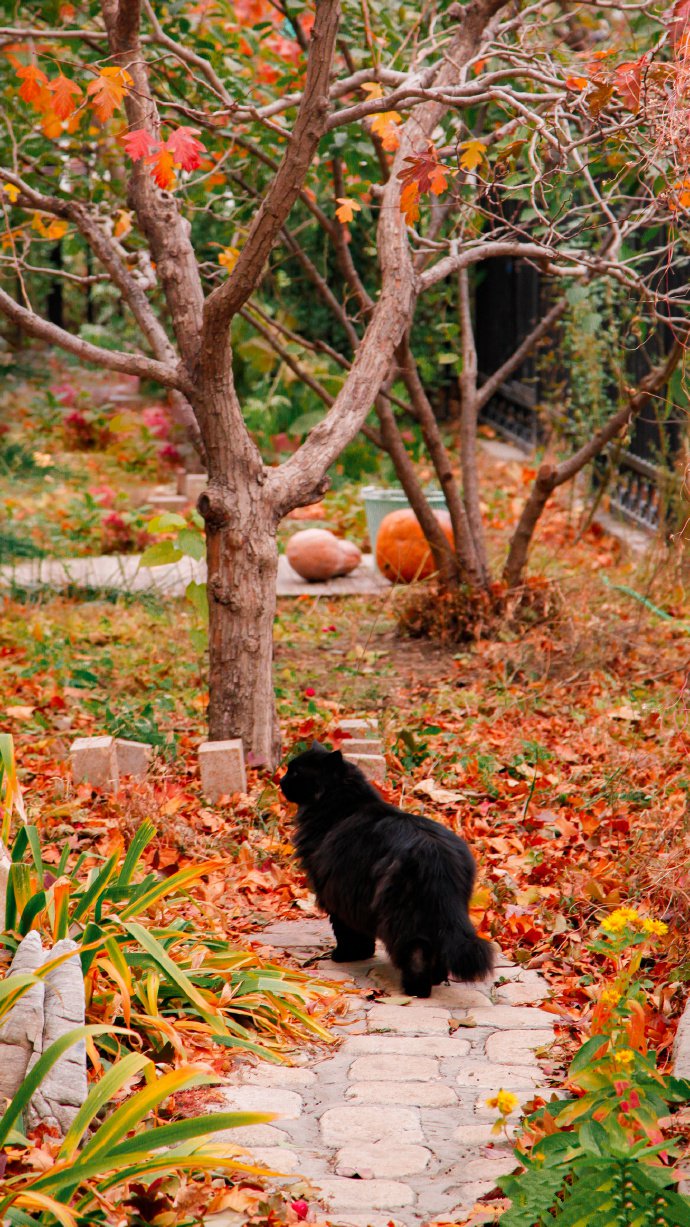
380,872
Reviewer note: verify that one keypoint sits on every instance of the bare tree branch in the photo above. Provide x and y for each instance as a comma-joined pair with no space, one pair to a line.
111,359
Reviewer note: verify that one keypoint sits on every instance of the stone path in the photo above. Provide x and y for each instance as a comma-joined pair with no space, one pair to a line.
394,1125
122,572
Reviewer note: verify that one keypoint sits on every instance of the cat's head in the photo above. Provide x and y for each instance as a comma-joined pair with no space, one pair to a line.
309,775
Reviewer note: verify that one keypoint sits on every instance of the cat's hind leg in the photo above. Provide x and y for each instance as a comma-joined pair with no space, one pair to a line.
419,969
351,946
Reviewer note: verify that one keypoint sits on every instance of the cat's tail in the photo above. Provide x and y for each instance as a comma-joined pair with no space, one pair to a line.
469,957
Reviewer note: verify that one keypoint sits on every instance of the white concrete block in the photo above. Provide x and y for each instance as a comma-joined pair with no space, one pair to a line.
221,764
373,766
361,745
94,761
359,728
133,757
194,485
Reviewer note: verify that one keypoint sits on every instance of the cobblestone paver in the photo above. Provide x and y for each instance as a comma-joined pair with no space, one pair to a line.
393,1126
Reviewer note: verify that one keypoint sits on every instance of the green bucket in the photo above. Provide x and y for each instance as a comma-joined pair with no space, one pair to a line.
378,502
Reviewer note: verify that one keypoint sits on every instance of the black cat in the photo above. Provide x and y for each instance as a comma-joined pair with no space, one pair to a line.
380,872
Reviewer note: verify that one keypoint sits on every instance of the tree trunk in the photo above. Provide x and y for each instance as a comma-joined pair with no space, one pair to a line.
242,557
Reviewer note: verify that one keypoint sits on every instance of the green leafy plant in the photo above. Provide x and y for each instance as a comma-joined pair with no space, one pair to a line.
182,540
602,1157
110,1144
165,982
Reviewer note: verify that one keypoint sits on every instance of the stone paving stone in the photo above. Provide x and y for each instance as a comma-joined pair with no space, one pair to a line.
279,1075
397,1067
422,1094
250,1135
484,1168
524,990
364,1220
407,1020
344,1194
410,1045
370,1123
293,935
480,1135
381,1159
278,1158
511,1017
373,766
516,1047
487,1074
286,1104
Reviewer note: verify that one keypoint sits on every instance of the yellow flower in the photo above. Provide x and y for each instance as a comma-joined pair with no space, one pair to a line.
624,1058
621,919
610,997
505,1102
657,927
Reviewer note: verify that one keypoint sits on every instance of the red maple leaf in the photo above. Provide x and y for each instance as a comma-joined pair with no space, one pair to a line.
139,144
185,148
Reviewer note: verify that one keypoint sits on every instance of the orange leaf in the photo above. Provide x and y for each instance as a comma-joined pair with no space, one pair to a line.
472,155
384,126
163,168
409,202
576,83
65,94
34,80
108,90
348,208
373,89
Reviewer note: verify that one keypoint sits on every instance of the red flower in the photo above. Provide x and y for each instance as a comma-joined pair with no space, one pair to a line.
300,1208
310,692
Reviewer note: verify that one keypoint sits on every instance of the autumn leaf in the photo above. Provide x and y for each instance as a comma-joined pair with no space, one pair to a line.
51,126
33,80
139,144
629,83
229,257
384,126
12,191
472,155
348,208
163,168
65,94
185,148
409,202
56,229
598,97
576,83
108,91
373,89
123,224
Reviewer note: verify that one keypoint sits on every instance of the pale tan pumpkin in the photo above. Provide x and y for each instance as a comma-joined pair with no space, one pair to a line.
317,554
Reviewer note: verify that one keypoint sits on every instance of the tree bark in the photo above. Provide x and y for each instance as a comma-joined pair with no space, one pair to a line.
242,559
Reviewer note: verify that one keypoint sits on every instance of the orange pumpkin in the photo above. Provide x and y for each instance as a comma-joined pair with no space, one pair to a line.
403,553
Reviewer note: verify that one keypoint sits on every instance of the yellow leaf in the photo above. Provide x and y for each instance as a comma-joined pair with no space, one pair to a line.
384,126
57,229
473,154
37,223
348,208
12,191
373,89
229,257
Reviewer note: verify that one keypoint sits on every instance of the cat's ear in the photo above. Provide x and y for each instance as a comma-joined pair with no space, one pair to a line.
336,758
316,745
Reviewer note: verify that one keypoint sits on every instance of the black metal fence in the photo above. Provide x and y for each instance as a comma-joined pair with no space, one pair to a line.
640,480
